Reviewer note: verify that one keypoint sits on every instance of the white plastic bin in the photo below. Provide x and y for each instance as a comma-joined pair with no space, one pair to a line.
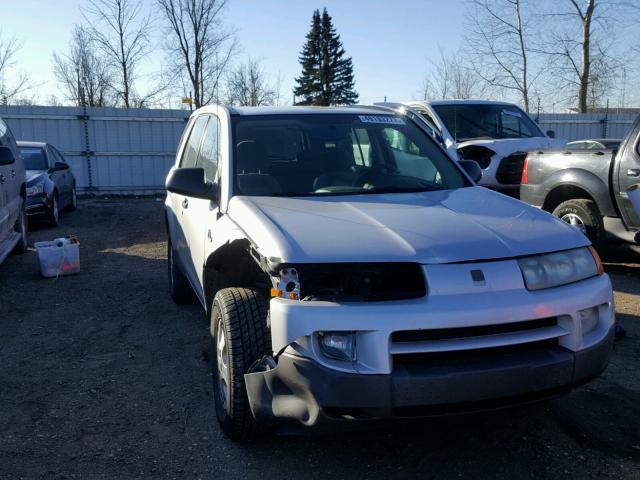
58,257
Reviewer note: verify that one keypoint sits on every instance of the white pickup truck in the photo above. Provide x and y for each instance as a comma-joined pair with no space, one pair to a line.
497,135
352,271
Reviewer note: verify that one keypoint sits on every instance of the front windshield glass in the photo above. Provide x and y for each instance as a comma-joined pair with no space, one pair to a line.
337,154
480,121
34,158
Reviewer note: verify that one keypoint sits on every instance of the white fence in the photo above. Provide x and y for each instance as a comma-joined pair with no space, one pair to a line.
129,151
111,150
574,126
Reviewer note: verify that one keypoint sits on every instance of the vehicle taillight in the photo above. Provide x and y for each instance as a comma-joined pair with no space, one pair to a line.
525,171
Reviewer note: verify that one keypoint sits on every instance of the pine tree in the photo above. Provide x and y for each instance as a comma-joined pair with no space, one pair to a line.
327,75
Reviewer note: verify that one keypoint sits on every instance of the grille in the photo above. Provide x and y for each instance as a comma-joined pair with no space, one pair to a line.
510,169
465,332
361,281
466,358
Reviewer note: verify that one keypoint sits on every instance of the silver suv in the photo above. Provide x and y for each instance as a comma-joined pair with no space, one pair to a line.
352,270
13,218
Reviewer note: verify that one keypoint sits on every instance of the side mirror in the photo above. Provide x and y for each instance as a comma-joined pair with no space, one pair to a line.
472,168
60,166
6,156
551,134
191,182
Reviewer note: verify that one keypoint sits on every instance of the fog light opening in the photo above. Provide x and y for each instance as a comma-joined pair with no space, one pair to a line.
588,319
338,345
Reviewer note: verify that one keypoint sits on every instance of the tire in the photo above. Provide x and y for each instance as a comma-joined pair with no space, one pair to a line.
585,215
239,318
21,227
179,287
73,204
53,216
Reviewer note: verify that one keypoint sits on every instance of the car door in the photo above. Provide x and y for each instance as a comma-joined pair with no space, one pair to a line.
628,175
5,172
200,215
12,177
180,205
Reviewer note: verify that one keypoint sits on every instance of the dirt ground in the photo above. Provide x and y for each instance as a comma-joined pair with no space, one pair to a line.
102,376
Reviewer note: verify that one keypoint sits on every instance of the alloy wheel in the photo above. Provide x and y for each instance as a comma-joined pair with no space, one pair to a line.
575,221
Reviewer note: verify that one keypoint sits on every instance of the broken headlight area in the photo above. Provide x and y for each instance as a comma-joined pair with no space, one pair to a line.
286,284
478,153
356,282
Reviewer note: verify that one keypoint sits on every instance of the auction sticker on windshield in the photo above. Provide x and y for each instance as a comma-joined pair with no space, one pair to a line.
386,119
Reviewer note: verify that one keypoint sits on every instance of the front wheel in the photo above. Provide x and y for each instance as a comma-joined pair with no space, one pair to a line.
73,204
54,212
240,337
585,216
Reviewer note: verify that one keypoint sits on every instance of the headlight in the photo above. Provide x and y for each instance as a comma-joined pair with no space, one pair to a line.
560,268
35,190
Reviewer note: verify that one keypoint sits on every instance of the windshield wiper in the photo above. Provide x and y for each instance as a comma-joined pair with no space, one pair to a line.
401,189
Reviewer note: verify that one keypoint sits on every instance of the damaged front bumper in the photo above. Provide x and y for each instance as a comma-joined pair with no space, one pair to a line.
463,347
301,390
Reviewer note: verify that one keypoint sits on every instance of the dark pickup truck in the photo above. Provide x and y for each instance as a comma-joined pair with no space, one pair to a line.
588,188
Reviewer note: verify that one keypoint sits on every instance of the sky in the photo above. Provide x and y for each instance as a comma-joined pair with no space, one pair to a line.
390,41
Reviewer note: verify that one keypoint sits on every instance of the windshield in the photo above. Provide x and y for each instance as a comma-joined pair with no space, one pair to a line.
486,121
337,154
34,158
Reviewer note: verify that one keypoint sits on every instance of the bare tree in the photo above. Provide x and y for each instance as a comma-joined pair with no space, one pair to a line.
120,29
248,85
582,46
201,45
449,77
10,91
83,74
498,46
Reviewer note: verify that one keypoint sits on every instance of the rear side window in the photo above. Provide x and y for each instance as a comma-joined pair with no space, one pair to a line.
190,153
208,156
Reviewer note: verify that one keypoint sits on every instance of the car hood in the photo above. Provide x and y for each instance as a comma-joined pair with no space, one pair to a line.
507,146
34,176
459,225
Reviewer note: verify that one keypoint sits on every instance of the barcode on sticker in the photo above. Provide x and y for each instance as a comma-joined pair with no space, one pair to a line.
385,119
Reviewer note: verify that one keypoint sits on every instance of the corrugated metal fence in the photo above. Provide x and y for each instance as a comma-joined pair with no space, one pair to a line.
114,150
111,150
574,126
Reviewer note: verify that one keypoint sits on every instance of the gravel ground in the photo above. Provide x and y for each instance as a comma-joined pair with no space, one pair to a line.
102,376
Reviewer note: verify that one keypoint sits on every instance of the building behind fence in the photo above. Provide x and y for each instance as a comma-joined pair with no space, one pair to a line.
129,151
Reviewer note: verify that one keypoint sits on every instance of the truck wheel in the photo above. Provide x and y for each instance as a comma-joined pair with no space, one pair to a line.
240,337
179,286
583,214
21,228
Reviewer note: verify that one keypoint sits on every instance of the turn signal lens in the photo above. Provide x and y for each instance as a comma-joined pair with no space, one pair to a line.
596,258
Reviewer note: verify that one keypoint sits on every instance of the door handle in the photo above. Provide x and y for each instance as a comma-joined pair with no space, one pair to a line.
2,178
13,172
633,172
185,203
